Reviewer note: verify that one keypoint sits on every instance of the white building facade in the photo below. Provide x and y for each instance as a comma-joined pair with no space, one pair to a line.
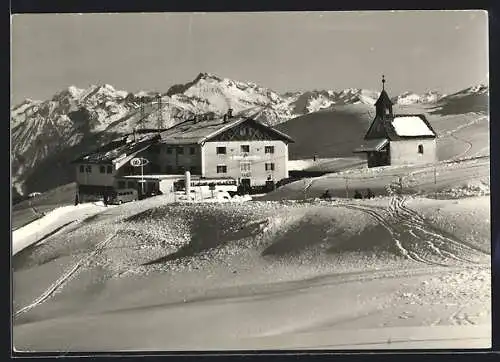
243,149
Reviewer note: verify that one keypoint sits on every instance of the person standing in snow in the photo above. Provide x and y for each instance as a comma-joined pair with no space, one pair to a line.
326,195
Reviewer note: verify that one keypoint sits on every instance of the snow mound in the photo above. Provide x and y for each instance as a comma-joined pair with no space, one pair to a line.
467,189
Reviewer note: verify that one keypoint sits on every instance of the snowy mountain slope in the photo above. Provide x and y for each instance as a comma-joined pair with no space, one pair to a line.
76,120
473,99
413,98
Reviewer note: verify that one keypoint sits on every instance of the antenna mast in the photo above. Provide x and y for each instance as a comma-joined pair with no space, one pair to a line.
142,112
160,118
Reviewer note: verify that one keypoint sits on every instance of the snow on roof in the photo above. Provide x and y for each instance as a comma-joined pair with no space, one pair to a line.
118,149
411,126
193,131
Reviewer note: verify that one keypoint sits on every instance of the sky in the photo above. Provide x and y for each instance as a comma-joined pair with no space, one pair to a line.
417,51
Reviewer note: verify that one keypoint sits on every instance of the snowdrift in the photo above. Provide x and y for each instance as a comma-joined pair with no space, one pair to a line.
262,275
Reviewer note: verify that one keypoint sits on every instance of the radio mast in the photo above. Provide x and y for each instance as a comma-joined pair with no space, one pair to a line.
142,112
159,115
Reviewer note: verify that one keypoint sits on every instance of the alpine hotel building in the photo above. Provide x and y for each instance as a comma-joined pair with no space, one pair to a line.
244,149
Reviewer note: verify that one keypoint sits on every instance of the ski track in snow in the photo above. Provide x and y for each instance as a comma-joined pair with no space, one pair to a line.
415,238
451,133
66,276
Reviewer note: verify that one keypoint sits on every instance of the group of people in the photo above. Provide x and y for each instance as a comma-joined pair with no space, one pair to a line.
357,194
369,194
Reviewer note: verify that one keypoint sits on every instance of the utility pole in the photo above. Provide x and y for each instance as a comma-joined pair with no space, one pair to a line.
142,111
160,120
435,183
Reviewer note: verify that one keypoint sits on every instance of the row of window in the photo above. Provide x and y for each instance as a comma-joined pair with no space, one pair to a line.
244,149
245,167
180,150
220,150
102,169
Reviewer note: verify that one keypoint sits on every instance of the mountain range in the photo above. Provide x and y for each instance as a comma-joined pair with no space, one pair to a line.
46,135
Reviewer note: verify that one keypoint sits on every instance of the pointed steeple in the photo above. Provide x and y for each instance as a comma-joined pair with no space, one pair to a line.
383,105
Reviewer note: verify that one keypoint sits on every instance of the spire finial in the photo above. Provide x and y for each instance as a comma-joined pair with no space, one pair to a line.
383,82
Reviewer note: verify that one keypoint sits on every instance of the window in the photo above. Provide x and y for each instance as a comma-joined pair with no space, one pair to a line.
420,149
180,150
88,169
192,169
82,168
269,166
121,184
169,169
245,148
131,184
192,150
245,167
269,149
221,150
169,150
221,169
180,169
109,169
102,169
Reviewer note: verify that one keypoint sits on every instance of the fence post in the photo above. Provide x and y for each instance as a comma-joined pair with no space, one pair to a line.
435,183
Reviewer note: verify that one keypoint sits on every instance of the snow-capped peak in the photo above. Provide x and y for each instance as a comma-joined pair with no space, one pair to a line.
408,98
208,76
74,91
74,115
474,90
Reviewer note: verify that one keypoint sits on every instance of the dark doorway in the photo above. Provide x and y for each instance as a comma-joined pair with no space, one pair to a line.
245,184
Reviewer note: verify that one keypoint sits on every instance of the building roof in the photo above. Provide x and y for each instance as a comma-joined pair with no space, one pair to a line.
199,131
383,99
411,126
404,126
118,150
372,145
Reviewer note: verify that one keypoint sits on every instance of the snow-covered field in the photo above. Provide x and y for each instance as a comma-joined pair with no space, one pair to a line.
50,223
448,179
389,272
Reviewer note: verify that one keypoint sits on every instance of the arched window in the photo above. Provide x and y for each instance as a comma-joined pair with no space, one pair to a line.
420,149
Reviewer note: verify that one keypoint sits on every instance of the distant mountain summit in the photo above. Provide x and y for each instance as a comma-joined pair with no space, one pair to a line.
412,98
46,135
